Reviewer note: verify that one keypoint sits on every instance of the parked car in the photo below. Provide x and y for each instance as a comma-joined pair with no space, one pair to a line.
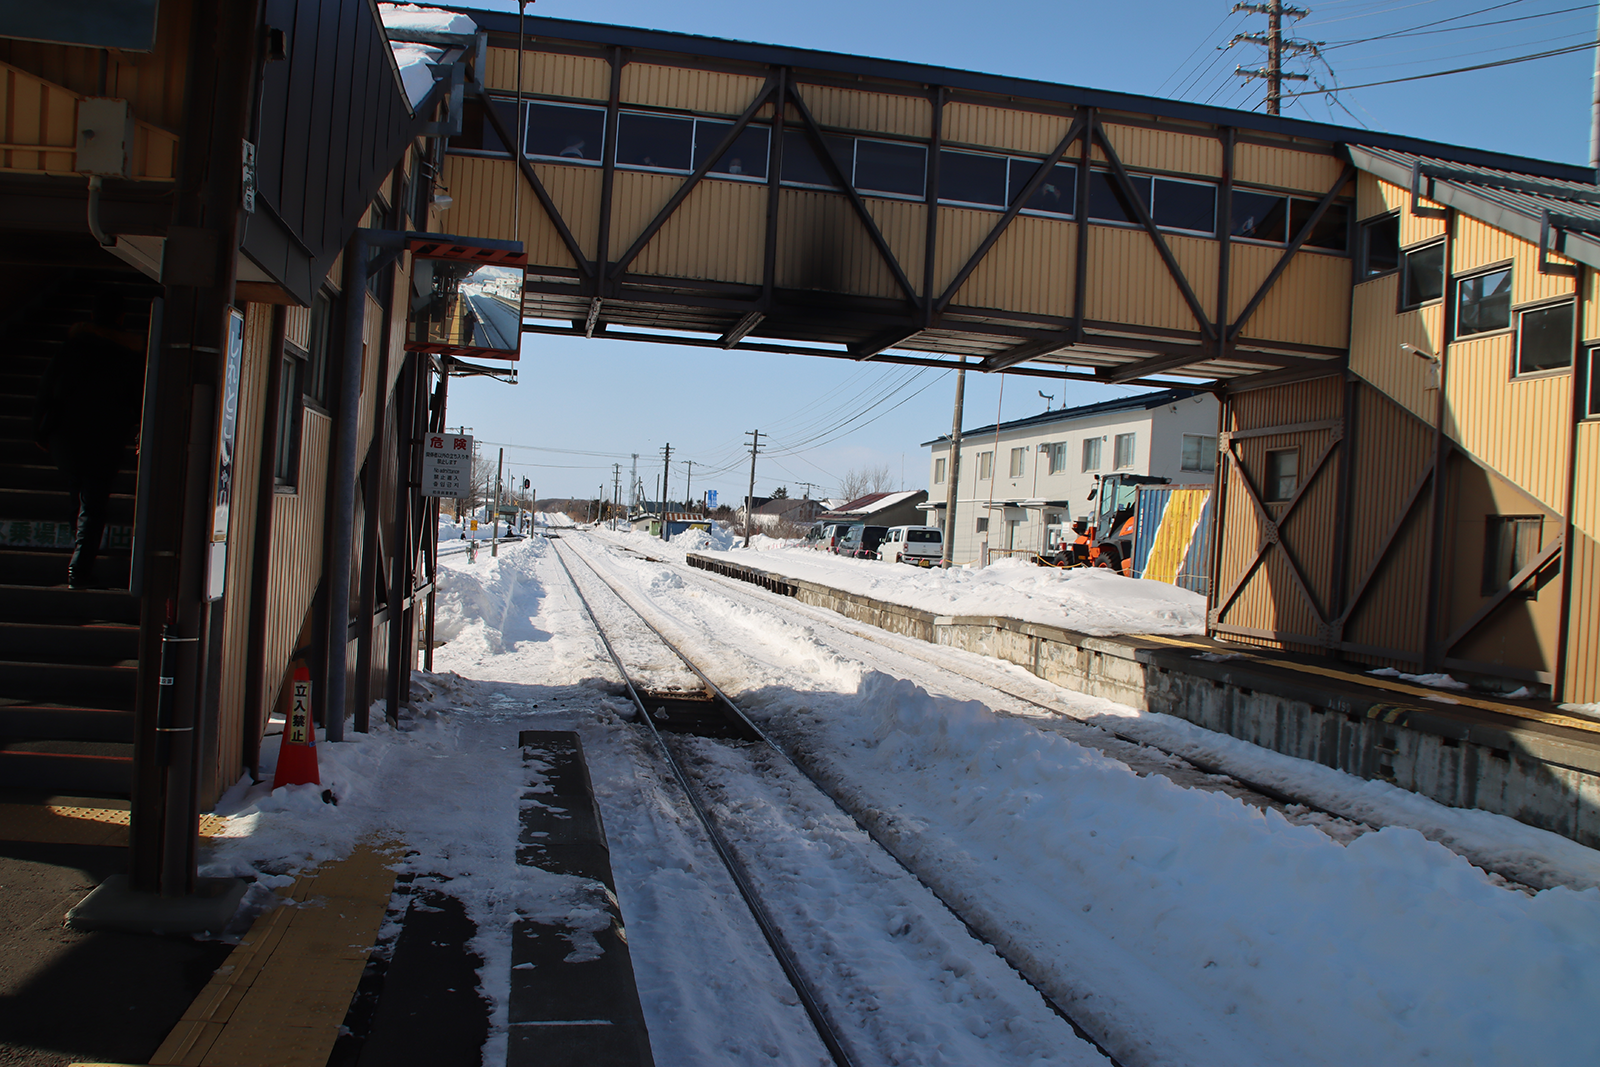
825,536
861,541
920,546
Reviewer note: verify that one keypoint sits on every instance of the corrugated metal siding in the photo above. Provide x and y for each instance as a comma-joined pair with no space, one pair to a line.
1128,282
298,327
853,109
1375,351
1197,153
549,74
1377,197
1477,245
372,336
296,568
649,85
1025,271
822,245
485,192
1591,306
1517,428
236,652
1271,600
1285,168
1390,448
1309,303
1583,636
996,127
716,234
35,112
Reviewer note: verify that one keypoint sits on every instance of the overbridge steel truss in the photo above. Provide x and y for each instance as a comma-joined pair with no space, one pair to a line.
926,327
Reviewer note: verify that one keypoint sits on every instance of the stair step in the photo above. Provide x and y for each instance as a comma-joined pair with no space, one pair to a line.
58,604
35,504
39,474
91,685
62,722
105,644
48,567
75,767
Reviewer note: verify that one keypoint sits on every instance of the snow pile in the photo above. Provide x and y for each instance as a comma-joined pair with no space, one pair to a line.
717,539
1275,934
1437,681
413,59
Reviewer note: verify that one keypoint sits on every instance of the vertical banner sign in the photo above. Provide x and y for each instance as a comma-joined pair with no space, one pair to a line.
711,499
300,714
217,560
446,465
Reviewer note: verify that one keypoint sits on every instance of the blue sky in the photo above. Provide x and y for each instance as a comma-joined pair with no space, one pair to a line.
581,406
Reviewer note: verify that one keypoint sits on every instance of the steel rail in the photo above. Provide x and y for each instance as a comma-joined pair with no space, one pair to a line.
778,750
736,870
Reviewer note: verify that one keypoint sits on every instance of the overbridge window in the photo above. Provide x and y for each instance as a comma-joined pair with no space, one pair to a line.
890,167
746,157
1332,230
801,165
1108,203
1056,195
1483,303
1421,275
1260,216
969,178
1176,205
477,134
662,142
563,131
1544,339
1380,246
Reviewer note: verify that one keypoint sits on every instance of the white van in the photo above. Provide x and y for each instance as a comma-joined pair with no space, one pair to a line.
921,546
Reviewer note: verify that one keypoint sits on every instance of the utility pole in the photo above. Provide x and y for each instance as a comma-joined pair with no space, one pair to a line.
688,485
808,486
494,532
1276,47
633,486
750,498
666,476
955,465
616,492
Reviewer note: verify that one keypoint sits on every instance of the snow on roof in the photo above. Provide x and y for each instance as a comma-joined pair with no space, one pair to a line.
412,58
1083,411
875,502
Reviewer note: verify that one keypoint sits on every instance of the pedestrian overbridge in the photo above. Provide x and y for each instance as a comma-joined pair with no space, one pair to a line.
695,191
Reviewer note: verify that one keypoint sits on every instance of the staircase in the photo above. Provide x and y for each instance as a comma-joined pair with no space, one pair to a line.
68,658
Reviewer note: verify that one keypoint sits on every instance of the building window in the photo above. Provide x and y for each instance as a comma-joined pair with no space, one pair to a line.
1483,303
1012,526
802,166
938,471
314,380
1058,457
980,525
1260,216
1332,231
1091,453
286,455
1380,246
1422,280
1283,474
1199,453
746,157
663,142
477,136
561,131
1016,461
1056,194
985,465
1510,543
890,167
1594,384
1107,202
968,178
1172,204
1544,339
1122,452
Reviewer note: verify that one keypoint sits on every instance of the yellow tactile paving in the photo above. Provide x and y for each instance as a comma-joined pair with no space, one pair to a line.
280,997
1394,685
59,824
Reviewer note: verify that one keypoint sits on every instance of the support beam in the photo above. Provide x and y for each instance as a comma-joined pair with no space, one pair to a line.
1345,177
882,342
540,193
741,329
1167,364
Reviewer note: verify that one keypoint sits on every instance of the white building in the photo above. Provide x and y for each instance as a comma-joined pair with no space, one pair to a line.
1019,477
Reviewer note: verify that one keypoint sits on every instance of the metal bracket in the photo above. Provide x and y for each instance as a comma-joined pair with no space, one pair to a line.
1546,246
456,74
1416,195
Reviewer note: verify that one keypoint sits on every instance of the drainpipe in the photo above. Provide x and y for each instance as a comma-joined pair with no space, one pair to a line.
341,548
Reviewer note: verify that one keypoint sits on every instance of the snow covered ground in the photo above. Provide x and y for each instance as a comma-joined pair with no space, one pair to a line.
1181,925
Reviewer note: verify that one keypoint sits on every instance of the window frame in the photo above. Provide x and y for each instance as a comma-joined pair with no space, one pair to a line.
986,466
580,161
1478,275
1592,384
289,431
1203,452
1501,561
713,172
1058,457
1092,444
1517,372
1132,438
939,466
1290,199
651,168
316,374
1404,287
1017,462
855,163
1364,230
1272,483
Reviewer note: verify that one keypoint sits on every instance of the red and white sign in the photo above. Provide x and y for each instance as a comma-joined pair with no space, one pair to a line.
446,464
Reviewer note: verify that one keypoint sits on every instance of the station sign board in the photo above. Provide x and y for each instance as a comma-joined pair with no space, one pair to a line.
446,465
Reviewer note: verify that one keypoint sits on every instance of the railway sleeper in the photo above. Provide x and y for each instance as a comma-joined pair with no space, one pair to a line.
701,714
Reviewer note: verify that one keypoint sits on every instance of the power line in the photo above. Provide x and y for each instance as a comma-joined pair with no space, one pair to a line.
1424,31
1458,70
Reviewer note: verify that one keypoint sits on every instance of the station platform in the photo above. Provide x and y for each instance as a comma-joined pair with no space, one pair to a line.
1524,758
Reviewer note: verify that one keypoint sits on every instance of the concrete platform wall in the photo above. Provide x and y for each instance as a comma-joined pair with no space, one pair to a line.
1541,774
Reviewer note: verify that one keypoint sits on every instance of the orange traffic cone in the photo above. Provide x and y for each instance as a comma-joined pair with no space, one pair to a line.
297,756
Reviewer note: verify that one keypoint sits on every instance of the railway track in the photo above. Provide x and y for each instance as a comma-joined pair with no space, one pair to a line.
679,698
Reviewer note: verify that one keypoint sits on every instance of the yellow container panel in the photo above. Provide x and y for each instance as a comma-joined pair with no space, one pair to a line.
549,74
1517,428
682,89
853,109
1308,304
717,234
1375,351
1183,153
1026,270
822,245
1004,129
1285,168
1583,637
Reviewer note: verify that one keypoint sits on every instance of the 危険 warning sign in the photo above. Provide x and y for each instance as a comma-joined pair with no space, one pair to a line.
446,464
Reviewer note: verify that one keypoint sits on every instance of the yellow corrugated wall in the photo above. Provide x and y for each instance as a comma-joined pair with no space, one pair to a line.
1024,271
1375,351
1198,153
1517,427
1583,635
684,89
853,109
1285,168
549,74
1004,129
